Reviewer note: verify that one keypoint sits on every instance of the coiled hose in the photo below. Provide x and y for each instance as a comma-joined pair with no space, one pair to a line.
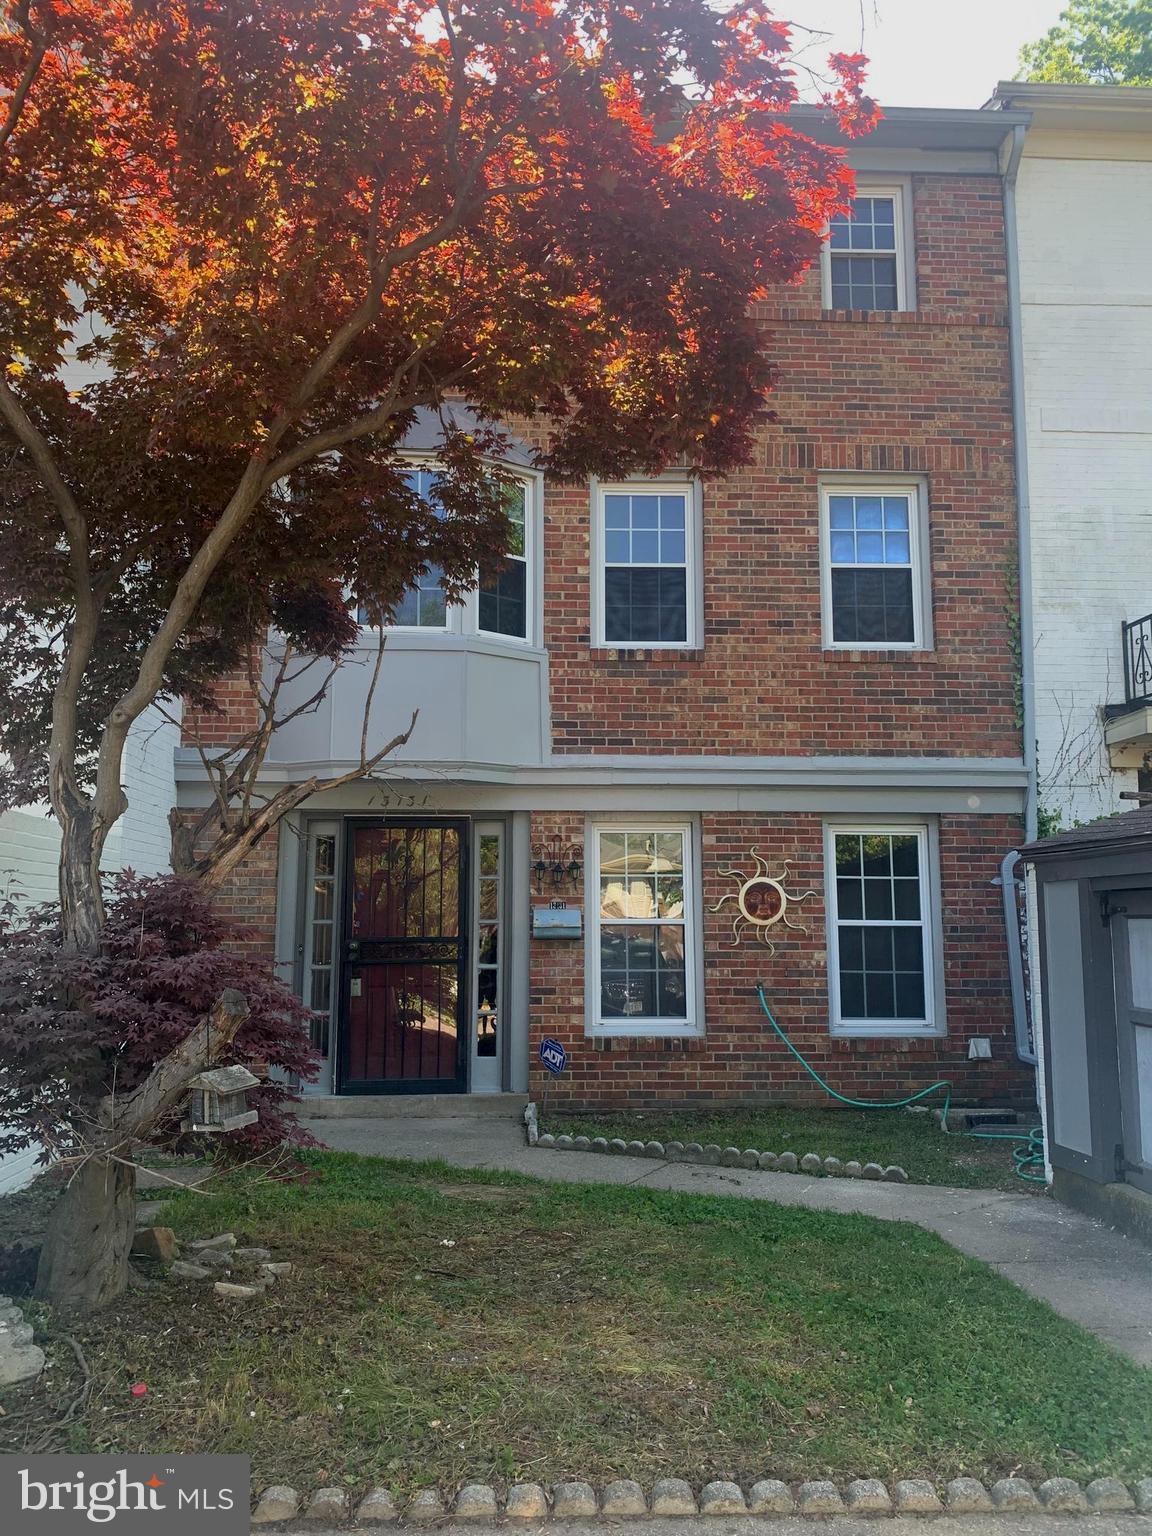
1027,1155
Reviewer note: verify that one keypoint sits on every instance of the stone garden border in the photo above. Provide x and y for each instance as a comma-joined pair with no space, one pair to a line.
712,1155
477,1503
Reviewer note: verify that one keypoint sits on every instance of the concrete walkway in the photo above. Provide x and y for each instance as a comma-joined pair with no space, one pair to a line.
1087,1272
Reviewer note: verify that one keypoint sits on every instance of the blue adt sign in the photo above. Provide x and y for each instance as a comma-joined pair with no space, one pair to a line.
554,1056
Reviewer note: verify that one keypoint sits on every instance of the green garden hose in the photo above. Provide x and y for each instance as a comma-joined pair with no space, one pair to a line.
1028,1154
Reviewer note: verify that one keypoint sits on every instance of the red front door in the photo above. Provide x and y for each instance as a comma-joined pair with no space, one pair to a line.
406,958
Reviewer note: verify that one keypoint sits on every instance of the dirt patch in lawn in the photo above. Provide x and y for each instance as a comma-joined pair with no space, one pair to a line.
486,1194
432,1334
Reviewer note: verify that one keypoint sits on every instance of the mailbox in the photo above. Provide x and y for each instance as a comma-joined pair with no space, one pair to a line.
557,923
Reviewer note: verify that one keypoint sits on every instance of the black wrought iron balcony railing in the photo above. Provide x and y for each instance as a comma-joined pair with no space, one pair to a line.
1138,660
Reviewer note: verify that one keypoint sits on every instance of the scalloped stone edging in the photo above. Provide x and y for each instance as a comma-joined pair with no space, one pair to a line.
712,1155
478,1503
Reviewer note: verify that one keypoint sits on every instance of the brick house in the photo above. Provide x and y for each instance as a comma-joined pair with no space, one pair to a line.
687,720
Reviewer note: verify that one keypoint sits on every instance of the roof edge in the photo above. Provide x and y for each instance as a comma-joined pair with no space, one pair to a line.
1030,95
912,127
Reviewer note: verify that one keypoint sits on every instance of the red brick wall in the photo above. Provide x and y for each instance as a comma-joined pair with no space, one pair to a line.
739,1058
234,715
924,392
248,898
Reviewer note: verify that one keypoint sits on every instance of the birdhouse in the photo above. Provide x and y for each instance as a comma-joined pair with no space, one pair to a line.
218,1100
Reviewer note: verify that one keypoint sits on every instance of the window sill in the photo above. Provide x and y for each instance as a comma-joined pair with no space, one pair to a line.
886,1032
867,651
450,640
651,1030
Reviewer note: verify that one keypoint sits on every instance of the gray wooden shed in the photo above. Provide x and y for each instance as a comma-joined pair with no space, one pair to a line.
1094,901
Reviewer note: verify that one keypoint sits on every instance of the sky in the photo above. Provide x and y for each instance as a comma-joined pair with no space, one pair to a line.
926,53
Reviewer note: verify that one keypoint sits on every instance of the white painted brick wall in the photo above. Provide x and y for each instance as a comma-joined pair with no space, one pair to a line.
29,855
1086,274
150,784
30,850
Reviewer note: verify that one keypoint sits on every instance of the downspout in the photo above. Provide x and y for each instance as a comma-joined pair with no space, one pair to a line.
1025,1048
1023,505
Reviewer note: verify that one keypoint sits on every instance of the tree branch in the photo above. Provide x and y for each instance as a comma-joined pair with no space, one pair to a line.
139,1112
23,19
393,404
261,471
234,846
65,704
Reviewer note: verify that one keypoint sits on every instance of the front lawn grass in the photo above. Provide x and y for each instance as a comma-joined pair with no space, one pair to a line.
444,1325
914,1141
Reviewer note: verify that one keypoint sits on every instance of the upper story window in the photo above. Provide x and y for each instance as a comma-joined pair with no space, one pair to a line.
503,593
423,606
865,261
503,602
874,577
645,591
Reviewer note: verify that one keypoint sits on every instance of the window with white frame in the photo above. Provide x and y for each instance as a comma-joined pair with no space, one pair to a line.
865,260
646,576
880,916
643,924
502,593
502,603
874,579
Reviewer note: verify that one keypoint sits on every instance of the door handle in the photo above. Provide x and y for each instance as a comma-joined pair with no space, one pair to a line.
353,950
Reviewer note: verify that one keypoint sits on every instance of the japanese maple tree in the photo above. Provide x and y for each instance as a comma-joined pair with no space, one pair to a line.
244,242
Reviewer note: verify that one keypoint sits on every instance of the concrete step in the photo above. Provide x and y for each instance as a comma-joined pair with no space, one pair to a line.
413,1106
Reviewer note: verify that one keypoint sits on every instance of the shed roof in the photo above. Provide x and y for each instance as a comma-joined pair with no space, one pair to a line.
1125,831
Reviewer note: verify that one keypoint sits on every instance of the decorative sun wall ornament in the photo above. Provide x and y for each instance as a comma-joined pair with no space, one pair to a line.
761,902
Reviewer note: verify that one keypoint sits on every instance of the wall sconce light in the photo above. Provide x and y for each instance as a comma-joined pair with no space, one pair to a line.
556,860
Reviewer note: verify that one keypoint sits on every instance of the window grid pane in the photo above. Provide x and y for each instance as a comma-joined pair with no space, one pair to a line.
487,948
503,594
872,577
424,606
503,600
869,225
643,925
320,932
864,255
863,282
881,966
645,575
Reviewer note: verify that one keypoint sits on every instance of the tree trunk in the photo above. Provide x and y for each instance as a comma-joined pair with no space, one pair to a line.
81,899
84,1258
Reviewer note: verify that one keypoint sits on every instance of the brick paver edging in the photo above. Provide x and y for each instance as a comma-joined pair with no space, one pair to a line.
712,1155
671,1496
